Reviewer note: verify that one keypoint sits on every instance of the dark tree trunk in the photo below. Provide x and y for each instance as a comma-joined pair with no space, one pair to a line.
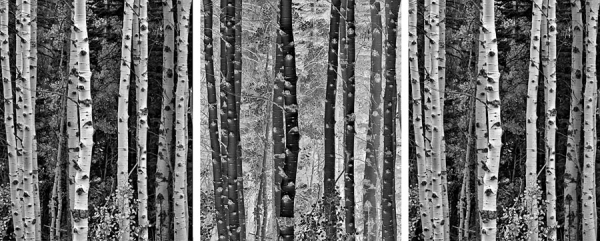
212,119
389,99
329,135
229,89
350,118
238,99
371,186
278,133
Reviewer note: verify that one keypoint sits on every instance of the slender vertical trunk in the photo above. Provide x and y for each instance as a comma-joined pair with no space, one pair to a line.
212,119
292,137
238,99
33,77
223,113
25,107
481,130
427,106
231,116
72,121
15,172
123,133
442,91
571,177
56,198
180,195
588,190
465,199
423,166
142,121
389,99
551,221
371,183
278,131
163,173
82,175
531,129
491,167
433,89
349,127
329,131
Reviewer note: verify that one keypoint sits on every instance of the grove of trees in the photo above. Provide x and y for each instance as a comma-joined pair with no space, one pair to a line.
504,118
96,130
301,120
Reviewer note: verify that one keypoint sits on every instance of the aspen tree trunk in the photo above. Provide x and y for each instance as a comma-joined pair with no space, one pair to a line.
163,173
278,131
223,113
339,125
387,202
349,127
180,195
292,137
423,166
142,121
24,20
82,175
72,121
490,178
123,133
238,99
442,91
427,106
531,129
371,183
481,130
229,89
436,124
15,172
571,177
33,77
136,55
329,131
551,221
588,191
213,120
